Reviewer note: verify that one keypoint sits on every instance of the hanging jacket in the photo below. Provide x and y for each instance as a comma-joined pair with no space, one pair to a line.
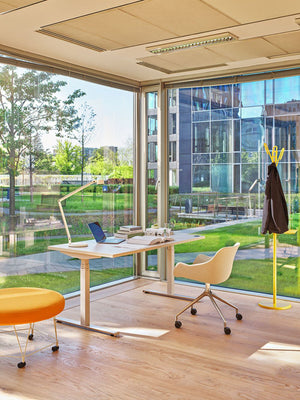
275,214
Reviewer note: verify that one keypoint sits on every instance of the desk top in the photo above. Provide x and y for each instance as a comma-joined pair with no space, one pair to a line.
98,250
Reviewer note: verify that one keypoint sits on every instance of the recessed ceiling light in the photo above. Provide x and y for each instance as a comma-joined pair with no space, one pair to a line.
189,44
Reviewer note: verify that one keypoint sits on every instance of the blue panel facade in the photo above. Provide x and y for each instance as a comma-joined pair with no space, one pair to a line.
185,140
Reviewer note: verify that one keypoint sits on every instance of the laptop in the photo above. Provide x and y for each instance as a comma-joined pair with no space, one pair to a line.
99,235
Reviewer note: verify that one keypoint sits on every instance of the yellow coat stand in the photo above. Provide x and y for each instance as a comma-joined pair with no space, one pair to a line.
274,304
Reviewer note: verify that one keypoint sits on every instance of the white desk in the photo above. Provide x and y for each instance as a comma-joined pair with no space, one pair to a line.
97,250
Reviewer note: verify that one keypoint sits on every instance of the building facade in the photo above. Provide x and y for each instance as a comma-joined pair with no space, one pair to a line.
217,135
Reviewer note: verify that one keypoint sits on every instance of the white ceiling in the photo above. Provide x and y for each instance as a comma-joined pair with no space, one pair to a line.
113,36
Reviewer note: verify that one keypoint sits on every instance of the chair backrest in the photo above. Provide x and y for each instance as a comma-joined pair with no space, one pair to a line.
216,270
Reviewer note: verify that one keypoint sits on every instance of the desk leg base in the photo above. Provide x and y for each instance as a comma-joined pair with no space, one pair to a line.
93,328
172,296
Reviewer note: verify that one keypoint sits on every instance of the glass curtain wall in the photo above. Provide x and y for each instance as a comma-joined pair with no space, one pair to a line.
56,134
218,176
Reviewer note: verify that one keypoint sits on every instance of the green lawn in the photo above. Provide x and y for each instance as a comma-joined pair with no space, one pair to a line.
246,234
257,276
64,282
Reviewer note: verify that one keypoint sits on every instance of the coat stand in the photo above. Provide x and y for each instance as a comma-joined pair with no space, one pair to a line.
274,304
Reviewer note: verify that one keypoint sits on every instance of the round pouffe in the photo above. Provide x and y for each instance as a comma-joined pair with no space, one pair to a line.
28,305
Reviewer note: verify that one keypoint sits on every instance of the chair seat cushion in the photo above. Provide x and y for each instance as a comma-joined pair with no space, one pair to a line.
27,305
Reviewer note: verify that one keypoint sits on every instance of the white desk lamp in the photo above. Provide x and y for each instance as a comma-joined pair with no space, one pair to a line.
80,244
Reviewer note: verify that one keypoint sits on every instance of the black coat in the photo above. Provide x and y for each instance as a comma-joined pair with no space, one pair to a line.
275,214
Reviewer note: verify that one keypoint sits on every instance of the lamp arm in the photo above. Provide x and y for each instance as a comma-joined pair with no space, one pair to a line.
61,208
78,190
64,221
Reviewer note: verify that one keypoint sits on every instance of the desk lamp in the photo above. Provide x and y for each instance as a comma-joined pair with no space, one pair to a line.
98,181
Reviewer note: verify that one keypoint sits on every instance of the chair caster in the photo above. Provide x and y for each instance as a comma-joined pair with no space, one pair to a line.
21,364
178,324
238,316
227,330
55,348
193,311
30,337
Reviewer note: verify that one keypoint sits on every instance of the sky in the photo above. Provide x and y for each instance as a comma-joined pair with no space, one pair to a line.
113,109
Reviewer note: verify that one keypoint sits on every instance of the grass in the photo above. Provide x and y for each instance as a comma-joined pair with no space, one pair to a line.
64,282
257,276
246,234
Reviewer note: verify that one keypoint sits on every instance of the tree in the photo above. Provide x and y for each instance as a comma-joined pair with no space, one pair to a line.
85,130
103,162
29,106
67,158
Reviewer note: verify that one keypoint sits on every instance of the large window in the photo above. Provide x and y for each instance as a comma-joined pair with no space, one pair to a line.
222,171
56,134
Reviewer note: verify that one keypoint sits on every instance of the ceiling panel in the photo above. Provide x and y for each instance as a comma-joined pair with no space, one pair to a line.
180,17
246,11
247,49
185,60
289,42
110,30
10,5
139,23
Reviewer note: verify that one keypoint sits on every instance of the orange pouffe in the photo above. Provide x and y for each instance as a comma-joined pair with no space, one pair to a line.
28,305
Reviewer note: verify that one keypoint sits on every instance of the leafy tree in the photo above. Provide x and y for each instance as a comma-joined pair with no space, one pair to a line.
103,162
85,130
45,163
67,158
29,106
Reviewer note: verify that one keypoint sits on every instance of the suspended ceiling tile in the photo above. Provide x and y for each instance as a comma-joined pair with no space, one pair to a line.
182,18
10,5
289,42
247,49
185,60
246,11
109,30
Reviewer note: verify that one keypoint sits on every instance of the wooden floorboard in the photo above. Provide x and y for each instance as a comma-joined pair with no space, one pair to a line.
152,359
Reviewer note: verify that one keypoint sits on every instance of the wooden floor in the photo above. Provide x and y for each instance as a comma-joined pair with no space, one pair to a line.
152,359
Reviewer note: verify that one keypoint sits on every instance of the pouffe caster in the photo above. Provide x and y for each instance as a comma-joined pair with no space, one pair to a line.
238,316
30,337
55,348
193,311
227,330
178,324
21,364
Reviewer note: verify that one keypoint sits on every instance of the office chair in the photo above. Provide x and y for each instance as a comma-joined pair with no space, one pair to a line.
210,270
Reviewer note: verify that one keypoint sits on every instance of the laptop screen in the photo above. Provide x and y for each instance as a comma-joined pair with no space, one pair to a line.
97,231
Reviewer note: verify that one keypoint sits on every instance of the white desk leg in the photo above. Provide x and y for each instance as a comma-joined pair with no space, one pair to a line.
85,305
170,270
85,293
170,278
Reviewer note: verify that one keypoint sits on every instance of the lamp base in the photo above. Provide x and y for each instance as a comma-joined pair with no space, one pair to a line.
79,244
279,305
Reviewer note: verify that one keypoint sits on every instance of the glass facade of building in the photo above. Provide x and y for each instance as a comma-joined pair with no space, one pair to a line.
222,170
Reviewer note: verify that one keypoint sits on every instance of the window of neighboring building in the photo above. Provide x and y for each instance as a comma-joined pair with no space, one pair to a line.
152,125
172,123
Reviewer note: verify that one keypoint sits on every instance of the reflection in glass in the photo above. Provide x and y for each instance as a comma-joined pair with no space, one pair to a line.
287,89
201,99
221,133
251,134
252,93
201,137
201,176
221,96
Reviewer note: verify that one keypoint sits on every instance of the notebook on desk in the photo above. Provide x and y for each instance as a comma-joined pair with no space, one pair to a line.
100,236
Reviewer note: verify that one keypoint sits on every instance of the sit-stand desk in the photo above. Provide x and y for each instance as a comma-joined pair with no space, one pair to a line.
99,250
